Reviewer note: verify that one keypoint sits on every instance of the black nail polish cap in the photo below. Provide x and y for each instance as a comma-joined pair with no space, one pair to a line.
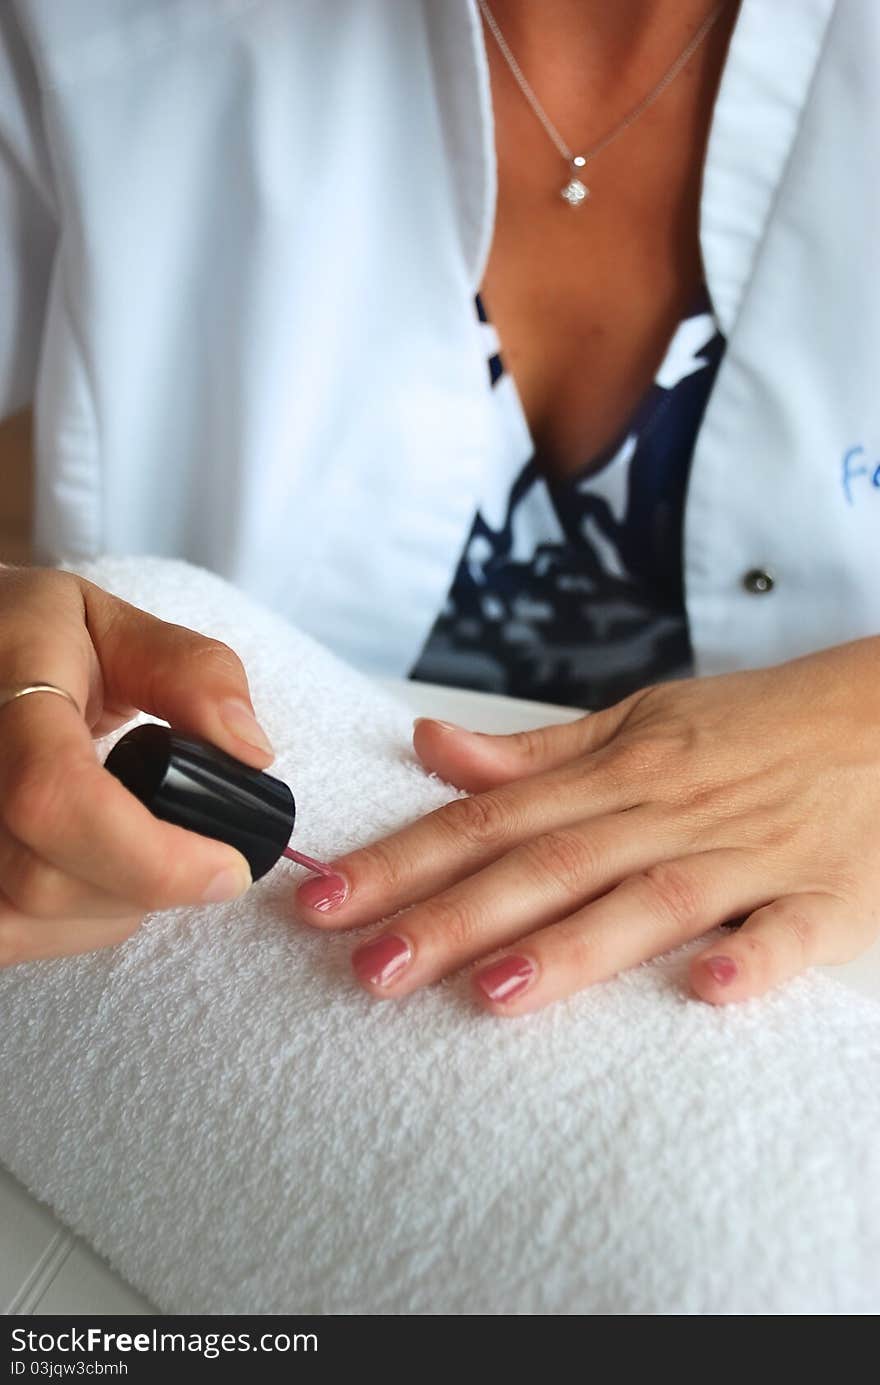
195,785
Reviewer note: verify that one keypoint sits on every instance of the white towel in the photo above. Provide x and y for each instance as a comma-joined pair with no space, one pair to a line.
220,1111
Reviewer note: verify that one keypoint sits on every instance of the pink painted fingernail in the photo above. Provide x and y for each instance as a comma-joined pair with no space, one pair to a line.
721,969
507,978
379,961
323,892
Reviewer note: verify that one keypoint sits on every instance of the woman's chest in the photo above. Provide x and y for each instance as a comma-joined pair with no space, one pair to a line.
584,315
585,299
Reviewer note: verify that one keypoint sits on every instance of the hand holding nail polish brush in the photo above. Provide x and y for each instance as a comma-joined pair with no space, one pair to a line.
193,784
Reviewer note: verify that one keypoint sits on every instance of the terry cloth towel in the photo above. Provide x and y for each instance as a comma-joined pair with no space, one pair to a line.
220,1111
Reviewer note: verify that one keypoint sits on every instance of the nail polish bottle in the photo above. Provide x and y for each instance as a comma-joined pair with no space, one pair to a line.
193,784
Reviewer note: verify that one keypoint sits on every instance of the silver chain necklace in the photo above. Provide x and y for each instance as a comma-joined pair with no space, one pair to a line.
575,192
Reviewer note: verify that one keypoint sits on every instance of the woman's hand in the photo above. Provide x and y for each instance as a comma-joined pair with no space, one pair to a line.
591,846
81,860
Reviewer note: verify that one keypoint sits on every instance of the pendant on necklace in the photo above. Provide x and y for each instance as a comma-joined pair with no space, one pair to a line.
575,192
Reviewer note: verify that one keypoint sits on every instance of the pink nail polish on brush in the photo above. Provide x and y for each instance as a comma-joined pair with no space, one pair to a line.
301,859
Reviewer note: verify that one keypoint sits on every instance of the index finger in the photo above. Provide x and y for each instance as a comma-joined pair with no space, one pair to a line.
456,840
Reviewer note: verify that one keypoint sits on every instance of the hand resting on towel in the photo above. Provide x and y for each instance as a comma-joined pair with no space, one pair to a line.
595,845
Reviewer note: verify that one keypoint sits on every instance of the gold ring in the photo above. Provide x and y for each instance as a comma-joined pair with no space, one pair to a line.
10,694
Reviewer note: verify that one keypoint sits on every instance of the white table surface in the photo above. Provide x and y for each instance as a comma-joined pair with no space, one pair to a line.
45,1270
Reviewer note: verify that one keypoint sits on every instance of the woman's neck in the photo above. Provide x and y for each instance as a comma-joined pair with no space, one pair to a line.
606,44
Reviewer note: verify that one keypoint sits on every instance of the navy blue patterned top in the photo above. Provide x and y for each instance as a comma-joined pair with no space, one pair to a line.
573,592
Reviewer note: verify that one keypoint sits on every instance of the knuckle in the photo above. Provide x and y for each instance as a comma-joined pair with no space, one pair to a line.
793,925
452,925
220,657
56,581
629,762
32,800
113,619
50,583
483,820
531,746
563,857
583,950
382,866
633,759
35,888
800,929
668,890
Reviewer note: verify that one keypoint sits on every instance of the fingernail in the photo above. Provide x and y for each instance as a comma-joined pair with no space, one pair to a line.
228,884
323,892
238,718
507,978
379,961
721,969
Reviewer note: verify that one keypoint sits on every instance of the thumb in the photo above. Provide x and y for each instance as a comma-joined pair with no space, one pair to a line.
195,683
475,761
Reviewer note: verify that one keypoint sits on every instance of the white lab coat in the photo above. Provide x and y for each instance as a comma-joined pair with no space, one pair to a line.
239,243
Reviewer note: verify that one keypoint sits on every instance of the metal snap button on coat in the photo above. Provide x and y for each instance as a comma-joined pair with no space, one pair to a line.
758,581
